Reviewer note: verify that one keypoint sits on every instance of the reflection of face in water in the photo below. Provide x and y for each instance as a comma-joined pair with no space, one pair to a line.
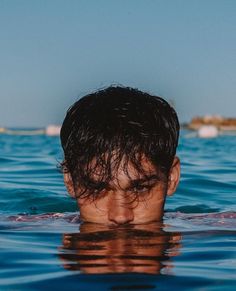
102,249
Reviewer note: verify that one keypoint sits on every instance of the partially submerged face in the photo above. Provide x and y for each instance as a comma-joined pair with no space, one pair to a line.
130,197
104,165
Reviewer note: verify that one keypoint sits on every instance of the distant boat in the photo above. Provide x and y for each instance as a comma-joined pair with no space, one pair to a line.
53,130
208,131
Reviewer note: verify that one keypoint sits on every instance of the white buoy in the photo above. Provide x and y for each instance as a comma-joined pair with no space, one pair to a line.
53,130
208,131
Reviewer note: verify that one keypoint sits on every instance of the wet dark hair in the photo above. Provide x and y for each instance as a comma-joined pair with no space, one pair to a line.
117,124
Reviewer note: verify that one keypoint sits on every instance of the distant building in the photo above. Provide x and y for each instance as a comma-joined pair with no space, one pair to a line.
220,122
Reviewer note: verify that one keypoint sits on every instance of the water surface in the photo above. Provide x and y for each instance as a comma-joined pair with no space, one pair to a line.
194,248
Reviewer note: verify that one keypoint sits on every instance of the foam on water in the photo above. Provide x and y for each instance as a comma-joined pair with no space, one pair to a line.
43,245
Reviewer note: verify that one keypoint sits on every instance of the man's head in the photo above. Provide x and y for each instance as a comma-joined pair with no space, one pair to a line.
119,155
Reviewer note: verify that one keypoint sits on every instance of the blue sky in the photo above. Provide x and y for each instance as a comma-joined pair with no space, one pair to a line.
54,51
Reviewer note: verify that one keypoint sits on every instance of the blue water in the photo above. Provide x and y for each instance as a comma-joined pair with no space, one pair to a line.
194,249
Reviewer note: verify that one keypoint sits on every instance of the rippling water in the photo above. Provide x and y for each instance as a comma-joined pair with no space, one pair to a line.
194,249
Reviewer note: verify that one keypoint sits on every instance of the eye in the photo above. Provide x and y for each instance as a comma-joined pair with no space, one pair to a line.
141,188
97,188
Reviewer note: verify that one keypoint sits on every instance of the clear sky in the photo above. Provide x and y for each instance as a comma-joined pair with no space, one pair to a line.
54,51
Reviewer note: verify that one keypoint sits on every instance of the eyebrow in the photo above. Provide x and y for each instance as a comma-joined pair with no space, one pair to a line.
148,178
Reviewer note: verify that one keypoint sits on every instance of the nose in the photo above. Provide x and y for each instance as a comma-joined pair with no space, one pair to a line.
120,211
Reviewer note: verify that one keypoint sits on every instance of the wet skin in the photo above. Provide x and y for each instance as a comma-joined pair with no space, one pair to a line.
127,199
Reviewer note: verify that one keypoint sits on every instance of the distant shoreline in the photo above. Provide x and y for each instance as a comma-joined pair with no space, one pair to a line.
221,123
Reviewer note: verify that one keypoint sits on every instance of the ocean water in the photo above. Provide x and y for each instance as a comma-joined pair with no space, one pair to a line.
44,247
